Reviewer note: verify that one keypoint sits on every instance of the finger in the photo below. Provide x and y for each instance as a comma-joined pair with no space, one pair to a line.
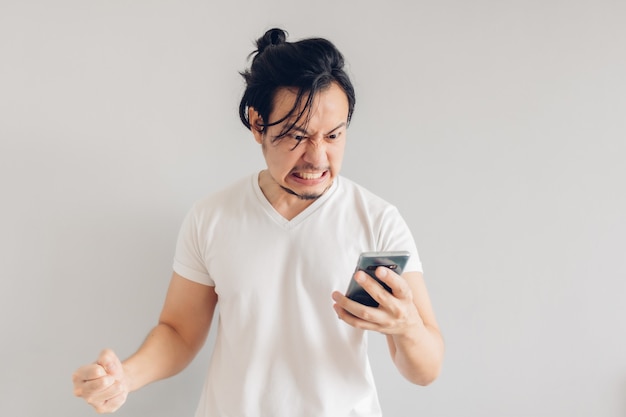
116,402
110,362
109,399
87,388
88,372
399,287
344,303
353,320
372,287
354,313
90,388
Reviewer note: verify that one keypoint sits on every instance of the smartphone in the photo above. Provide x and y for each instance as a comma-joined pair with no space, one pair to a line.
368,262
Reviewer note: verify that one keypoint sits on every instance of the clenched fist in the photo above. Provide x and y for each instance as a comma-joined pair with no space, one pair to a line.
102,384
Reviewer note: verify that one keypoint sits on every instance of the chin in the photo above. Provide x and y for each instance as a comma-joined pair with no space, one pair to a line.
306,195
309,196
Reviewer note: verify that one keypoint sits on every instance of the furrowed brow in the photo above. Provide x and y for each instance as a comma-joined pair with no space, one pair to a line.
342,124
301,130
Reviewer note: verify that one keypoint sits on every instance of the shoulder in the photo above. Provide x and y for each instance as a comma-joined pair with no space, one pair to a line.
359,195
225,197
225,194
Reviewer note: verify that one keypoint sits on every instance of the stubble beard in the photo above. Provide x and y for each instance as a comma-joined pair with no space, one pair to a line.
305,197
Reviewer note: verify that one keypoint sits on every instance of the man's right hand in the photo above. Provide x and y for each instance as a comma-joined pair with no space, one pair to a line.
102,384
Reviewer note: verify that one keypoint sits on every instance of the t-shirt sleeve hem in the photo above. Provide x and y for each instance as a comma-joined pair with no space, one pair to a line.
413,265
193,275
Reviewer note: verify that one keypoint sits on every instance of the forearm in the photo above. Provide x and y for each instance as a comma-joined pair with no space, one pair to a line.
164,353
418,354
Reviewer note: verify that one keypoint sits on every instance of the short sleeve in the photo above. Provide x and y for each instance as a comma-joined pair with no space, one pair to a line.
396,235
189,260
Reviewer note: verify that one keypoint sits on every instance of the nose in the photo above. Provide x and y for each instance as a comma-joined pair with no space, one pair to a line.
315,152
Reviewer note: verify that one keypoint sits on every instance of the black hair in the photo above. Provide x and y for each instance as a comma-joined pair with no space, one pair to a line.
309,66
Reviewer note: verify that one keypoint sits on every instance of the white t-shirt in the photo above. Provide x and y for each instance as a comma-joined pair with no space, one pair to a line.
280,348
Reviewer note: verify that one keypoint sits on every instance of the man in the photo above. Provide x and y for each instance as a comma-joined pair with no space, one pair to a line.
273,249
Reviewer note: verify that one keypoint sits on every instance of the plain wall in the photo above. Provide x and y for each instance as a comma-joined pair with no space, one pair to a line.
497,127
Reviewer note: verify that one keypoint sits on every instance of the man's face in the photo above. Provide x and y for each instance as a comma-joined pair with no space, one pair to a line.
305,162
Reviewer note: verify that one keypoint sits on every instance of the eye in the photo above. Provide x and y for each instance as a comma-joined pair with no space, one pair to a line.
334,136
298,137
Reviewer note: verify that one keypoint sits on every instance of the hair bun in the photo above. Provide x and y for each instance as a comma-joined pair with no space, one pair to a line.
272,37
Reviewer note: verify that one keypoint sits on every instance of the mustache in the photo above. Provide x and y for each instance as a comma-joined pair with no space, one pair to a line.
309,167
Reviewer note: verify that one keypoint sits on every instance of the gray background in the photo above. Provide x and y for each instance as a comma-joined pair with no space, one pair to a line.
498,128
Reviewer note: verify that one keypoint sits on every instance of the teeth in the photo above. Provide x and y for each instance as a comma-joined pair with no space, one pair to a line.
309,175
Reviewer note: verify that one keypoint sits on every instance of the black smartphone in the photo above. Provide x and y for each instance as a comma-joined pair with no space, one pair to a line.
368,262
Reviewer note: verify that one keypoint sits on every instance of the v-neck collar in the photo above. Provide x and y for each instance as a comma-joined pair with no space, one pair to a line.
300,217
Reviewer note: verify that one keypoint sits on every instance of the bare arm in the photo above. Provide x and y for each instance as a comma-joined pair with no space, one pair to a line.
418,353
182,329
407,319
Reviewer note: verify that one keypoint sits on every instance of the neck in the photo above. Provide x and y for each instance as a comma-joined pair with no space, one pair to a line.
285,201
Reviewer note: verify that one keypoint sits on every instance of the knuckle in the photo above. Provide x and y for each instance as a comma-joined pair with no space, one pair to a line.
98,384
406,293
106,356
116,402
106,382
393,310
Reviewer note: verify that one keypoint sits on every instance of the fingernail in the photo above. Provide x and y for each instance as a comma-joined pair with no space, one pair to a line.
382,272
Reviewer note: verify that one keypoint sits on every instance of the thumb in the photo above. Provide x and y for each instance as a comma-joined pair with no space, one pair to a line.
111,363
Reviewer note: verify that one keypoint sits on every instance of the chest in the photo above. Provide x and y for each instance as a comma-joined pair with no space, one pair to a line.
260,261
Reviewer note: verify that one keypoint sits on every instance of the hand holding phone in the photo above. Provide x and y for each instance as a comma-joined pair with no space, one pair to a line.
368,262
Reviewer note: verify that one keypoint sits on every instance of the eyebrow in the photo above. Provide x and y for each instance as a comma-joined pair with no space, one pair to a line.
303,130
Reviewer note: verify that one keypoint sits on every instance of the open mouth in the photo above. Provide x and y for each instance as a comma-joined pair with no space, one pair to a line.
309,175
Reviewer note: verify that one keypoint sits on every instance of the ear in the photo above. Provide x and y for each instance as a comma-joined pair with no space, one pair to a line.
256,124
